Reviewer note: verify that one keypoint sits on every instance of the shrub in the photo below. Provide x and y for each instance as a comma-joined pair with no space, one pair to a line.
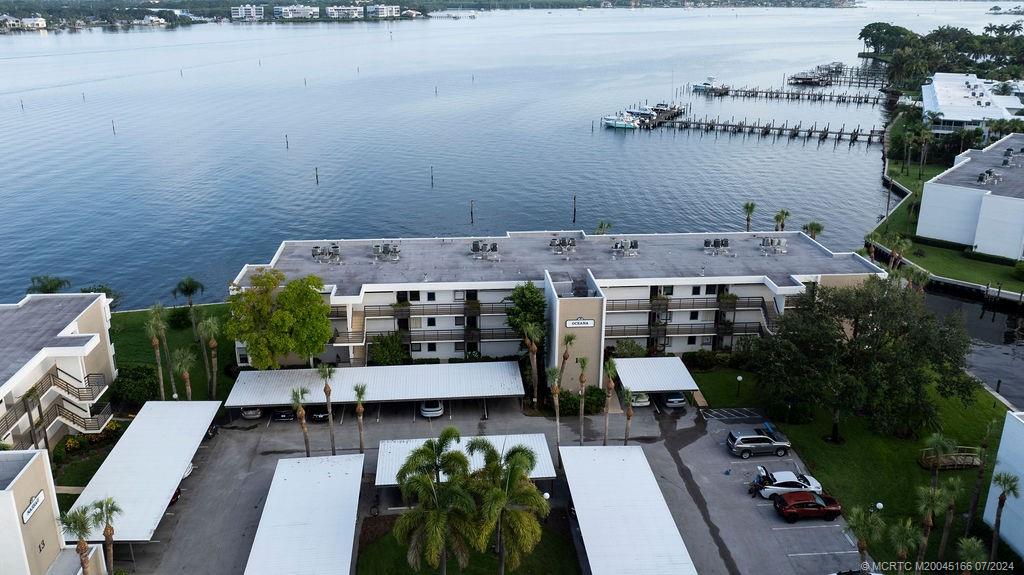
4,446
75,443
1018,270
426,360
135,385
178,318
59,453
569,401
629,348
704,359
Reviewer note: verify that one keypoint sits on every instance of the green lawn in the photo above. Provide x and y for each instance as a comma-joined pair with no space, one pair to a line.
127,329
719,387
554,555
77,473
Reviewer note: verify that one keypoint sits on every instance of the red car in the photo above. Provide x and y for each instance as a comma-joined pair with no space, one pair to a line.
806,505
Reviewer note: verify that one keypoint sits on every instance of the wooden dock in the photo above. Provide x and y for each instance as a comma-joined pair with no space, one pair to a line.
771,128
807,96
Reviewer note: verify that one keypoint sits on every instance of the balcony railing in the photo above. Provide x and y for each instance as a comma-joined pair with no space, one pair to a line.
681,303
431,309
426,335
673,329
343,337
338,312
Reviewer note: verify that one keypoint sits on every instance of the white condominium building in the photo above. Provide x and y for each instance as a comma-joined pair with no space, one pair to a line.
668,292
383,11
979,202
56,362
35,23
965,102
299,11
247,12
345,12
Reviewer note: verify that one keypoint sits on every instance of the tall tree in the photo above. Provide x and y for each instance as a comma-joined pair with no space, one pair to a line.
528,305
310,325
158,316
979,479
48,284
813,228
582,361
567,342
971,551
388,349
780,220
556,391
298,398
113,295
189,287
154,329
610,373
360,390
627,399
1009,486
209,329
326,372
930,502
904,537
183,360
105,512
866,527
953,488
533,334
939,447
748,212
79,524
510,504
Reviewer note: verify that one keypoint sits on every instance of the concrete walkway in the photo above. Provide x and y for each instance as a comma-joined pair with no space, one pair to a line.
69,490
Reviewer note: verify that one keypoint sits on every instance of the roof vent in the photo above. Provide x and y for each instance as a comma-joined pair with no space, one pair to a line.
325,255
386,252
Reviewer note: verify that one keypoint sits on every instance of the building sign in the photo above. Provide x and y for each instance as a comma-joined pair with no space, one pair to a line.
33,504
580,322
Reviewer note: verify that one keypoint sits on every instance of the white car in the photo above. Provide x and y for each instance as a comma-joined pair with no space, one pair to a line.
432,408
770,483
640,400
675,399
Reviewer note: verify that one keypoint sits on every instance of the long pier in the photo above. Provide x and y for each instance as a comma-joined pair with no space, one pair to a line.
770,128
807,96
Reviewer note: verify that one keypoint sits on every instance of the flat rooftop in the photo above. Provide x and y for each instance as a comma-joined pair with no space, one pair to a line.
35,324
957,96
524,256
11,465
1010,182
654,374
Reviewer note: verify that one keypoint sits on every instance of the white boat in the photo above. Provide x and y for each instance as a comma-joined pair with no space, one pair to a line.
710,87
621,120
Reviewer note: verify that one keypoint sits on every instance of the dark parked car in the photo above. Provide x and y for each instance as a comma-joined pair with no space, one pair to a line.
283,414
806,505
318,414
759,441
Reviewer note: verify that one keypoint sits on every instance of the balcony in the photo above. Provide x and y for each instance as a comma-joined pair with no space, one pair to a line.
66,384
428,335
664,304
59,408
338,312
434,309
674,329
346,337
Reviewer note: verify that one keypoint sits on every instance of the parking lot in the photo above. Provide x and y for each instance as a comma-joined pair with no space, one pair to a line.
211,528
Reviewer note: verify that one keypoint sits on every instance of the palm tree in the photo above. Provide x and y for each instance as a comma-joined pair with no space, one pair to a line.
866,527
154,328
443,518
748,212
871,239
979,480
298,397
510,503
939,447
104,512
930,502
30,396
603,227
780,220
360,389
582,361
627,398
567,341
79,524
532,335
326,373
916,278
813,228
183,360
47,284
1008,485
953,488
904,537
972,552
189,287
209,329
610,373
556,390
924,140
158,315
898,245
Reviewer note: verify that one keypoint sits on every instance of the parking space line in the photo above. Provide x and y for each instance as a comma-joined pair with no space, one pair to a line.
821,553
806,527
847,535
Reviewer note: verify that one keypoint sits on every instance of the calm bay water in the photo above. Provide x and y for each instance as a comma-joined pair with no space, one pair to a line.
197,179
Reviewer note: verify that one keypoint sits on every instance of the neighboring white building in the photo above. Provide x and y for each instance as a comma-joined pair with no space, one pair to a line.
965,102
56,362
345,12
1010,459
33,23
296,11
383,11
979,202
247,12
151,21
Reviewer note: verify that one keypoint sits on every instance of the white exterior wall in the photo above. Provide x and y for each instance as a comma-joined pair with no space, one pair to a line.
1001,227
247,12
345,12
949,213
1010,458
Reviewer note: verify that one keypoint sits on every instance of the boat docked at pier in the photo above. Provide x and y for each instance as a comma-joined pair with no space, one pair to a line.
621,120
711,88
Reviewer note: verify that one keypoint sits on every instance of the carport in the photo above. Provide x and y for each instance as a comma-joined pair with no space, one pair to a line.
654,374
146,466
392,383
308,523
623,520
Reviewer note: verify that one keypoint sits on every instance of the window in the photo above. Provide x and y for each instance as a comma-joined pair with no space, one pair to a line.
692,340
431,347
402,296
460,295
460,346
460,320
243,358
706,341
471,294
431,322
415,322
711,290
472,347
694,315
668,290
696,290
431,296
414,296
416,347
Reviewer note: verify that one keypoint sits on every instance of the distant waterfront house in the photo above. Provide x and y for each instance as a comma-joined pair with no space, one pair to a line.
296,11
979,202
383,11
33,23
411,14
151,21
8,22
965,102
345,12
247,12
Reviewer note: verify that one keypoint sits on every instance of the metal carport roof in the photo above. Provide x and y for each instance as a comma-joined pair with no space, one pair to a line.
308,523
625,522
383,383
654,374
393,453
145,467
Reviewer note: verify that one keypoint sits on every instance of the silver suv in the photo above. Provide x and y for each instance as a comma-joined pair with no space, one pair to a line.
759,441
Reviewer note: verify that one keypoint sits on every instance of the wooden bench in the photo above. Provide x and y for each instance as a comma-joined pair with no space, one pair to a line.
698,399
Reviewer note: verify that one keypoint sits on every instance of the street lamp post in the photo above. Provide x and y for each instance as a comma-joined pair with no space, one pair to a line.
739,381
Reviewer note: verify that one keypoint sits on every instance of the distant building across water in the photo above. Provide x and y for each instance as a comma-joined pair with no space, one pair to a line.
967,102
